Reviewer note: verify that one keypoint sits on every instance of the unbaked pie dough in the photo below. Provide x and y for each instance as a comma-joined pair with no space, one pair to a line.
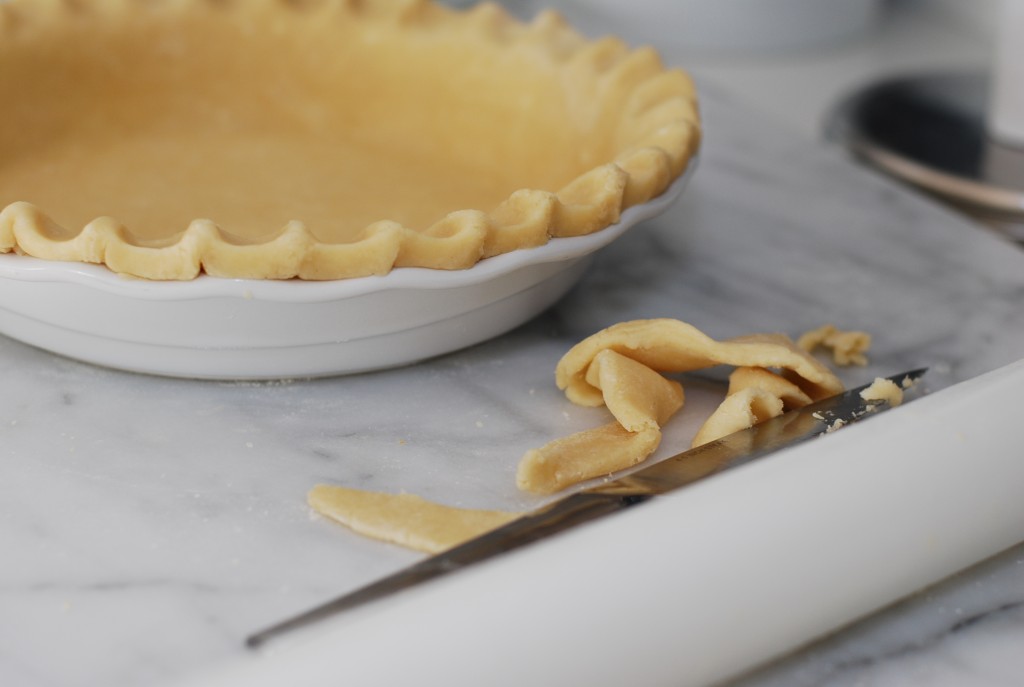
848,347
319,139
883,390
620,367
642,400
404,519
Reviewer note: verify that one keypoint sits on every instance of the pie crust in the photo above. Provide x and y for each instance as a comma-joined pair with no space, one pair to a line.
320,139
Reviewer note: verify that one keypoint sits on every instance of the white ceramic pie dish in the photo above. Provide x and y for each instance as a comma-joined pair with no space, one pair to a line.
259,329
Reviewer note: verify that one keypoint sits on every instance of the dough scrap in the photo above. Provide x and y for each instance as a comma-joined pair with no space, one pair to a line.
619,367
578,457
636,395
740,410
669,345
404,519
884,390
755,395
640,399
848,347
791,395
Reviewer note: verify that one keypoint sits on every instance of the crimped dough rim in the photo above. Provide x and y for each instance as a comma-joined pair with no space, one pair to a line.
657,134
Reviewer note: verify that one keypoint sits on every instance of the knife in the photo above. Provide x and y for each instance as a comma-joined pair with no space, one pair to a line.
609,497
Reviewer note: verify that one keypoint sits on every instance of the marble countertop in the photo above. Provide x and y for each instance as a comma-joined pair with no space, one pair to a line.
150,524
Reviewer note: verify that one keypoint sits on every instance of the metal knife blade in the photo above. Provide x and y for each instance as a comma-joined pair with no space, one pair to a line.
609,497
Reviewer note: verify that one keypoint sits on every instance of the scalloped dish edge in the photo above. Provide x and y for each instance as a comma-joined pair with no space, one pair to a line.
28,268
662,128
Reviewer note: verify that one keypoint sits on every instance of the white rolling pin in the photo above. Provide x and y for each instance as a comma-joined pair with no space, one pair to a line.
710,581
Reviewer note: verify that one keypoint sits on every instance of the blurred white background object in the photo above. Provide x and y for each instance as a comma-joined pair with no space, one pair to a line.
742,26
1006,114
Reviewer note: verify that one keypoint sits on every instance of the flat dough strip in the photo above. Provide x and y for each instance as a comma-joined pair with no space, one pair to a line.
669,345
640,399
585,455
404,519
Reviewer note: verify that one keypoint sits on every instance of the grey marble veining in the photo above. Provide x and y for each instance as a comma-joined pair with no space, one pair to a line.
148,524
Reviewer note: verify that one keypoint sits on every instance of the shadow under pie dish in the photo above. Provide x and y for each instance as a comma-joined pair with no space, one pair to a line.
284,143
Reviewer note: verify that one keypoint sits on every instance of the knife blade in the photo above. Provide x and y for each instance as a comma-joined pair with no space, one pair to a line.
609,497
